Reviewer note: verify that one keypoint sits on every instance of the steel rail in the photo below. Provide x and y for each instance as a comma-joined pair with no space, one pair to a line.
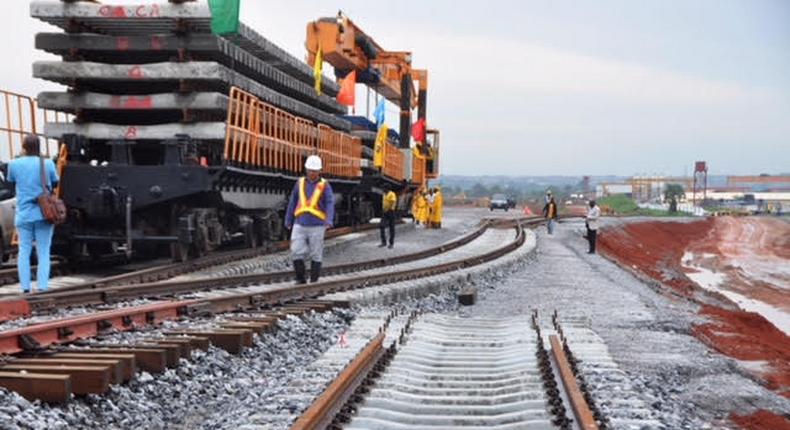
581,410
65,330
101,295
20,305
164,271
321,413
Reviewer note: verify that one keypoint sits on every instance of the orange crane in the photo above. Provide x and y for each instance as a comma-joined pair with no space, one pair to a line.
348,48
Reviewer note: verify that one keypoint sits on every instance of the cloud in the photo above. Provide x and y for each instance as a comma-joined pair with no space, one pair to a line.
478,65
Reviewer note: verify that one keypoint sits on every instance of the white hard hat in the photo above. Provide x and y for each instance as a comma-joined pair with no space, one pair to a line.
313,163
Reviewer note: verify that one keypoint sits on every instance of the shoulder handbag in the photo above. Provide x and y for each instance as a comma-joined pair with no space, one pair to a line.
53,208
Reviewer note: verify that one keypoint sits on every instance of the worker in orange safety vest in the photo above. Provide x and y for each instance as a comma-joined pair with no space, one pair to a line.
311,210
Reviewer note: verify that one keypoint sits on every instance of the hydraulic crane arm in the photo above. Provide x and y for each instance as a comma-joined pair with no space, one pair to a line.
347,47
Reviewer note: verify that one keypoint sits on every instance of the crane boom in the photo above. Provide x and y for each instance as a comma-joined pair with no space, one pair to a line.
348,48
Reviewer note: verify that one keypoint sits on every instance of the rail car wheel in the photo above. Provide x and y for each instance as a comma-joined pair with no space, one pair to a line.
365,212
179,252
251,236
3,255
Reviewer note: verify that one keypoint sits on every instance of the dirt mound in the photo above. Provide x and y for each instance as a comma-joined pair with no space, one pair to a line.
656,249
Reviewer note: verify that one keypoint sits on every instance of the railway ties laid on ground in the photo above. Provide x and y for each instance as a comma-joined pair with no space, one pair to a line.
230,332
454,372
447,372
55,374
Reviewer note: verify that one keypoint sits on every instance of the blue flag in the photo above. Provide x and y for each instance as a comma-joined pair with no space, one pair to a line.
379,113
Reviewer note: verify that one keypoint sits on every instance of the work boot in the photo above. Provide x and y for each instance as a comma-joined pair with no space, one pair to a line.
382,245
391,245
299,270
315,271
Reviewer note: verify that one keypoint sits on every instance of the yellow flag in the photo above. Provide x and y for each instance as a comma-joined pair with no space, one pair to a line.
378,147
319,63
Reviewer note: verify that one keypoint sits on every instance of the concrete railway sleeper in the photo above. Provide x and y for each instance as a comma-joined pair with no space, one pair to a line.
450,372
234,334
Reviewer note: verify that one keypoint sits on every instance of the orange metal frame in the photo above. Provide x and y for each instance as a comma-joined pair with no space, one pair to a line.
342,46
393,162
261,136
21,115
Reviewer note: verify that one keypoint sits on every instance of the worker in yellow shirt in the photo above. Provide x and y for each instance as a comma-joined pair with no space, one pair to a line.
388,210
415,210
419,207
424,209
430,198
436,212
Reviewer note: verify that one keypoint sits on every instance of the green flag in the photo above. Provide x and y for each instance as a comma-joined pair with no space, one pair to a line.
224,16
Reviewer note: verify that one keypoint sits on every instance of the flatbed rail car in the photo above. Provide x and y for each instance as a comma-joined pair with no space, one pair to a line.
187,140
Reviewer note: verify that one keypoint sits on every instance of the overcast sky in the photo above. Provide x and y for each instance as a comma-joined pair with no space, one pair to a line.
528,87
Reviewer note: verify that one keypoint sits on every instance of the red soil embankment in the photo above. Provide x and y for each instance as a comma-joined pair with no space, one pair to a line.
761,420
750,337
656,249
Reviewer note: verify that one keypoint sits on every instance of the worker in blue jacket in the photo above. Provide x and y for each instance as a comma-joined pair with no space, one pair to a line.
25,173
311,210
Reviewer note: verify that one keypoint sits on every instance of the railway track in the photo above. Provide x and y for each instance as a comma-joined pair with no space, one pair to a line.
247,293
160,272
17,306
449,372
97,294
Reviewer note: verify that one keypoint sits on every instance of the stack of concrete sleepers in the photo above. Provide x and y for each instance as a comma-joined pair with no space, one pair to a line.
151,71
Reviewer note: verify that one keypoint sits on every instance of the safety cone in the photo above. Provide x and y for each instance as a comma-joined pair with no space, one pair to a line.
527,211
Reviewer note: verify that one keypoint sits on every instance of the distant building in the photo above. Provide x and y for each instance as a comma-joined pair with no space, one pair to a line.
651,188
613,188
761,183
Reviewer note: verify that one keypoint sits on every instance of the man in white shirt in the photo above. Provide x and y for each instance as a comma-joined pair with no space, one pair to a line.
592,225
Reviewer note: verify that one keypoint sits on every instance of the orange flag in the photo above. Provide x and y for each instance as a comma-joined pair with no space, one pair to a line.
418,130
347,94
